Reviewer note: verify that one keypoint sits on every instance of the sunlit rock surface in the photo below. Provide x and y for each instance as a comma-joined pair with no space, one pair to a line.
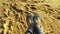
13,15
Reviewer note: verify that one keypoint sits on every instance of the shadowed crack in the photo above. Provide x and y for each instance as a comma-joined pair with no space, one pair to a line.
14,8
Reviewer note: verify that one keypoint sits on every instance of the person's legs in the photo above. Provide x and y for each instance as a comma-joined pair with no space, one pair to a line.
30,30
31,26
37,28
34,26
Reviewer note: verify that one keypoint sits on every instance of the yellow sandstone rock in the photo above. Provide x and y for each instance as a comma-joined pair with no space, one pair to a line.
13,15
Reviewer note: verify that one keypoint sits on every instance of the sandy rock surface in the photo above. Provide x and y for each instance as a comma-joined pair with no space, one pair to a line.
13,15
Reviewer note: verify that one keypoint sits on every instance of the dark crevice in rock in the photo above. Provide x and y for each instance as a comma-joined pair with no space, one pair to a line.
5,4
0,17
7,32
18,28
46,11
22,22
58,8
10,24
42,1
26,8
21,18
24,0
58,27
8,13
35,1
14,12
27,4
15,4
16,16
2,32
50,9
58,17
17,10
32,5
2,27
5,15
58,11
33,8
51,31
47,5
51,26
11,8
4,21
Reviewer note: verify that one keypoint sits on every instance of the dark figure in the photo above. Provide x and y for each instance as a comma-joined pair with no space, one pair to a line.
34,27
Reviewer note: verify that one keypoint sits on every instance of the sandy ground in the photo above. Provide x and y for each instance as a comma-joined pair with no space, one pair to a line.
13,15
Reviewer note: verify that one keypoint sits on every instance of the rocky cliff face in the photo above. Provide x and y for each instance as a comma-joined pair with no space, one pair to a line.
13,15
